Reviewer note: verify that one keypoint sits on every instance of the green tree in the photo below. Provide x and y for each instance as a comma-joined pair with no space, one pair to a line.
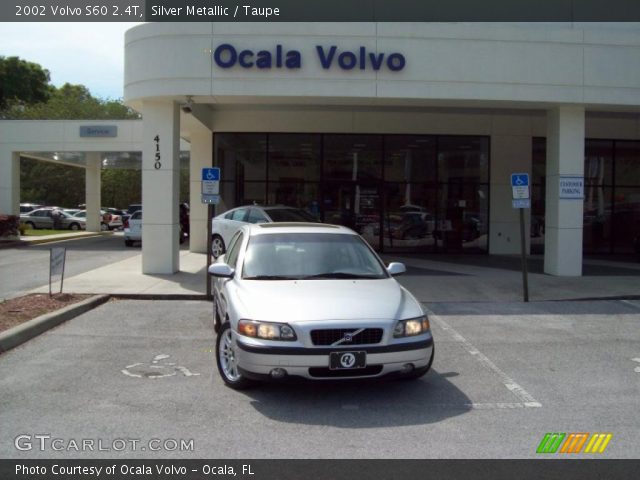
72,102
22,83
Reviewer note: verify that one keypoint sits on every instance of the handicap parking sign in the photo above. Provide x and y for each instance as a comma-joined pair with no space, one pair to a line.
520,185
211,174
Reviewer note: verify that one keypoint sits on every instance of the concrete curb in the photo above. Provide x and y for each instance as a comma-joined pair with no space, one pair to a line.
64,238
26,331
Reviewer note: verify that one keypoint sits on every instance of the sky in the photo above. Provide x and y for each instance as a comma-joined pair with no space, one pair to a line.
91,54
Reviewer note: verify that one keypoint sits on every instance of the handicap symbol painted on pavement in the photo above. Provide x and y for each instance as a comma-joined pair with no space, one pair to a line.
158,368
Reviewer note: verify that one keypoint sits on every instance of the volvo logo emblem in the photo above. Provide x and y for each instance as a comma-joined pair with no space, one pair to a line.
348,360
348,337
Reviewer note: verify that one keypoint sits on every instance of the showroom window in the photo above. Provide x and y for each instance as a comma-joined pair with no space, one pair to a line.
611,215
414,193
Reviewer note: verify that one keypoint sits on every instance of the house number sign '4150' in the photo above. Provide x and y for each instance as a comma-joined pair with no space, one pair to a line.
156,140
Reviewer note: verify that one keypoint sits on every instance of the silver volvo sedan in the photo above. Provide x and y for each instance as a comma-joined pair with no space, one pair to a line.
313,301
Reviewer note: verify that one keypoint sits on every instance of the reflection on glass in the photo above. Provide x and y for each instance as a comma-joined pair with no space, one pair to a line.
353,157
626,220
242,156
294,157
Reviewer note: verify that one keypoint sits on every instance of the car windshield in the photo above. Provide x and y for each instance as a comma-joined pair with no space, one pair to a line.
289,215
307,256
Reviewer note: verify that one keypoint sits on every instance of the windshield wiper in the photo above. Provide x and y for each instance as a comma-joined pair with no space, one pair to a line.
339,275
271,277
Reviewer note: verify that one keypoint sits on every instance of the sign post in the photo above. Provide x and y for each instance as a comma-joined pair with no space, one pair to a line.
521,200
57,258
210,197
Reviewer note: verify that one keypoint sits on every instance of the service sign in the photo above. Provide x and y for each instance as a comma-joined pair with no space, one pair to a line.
571,187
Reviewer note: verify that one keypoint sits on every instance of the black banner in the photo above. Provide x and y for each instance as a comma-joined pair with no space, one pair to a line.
583,469
320,11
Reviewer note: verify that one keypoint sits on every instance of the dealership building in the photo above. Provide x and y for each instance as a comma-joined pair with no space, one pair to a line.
408,133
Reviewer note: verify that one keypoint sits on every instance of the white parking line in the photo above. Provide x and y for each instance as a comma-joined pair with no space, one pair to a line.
527,400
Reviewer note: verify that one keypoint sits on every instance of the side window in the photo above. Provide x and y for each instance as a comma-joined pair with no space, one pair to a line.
229,216
256,216
234,249
239,214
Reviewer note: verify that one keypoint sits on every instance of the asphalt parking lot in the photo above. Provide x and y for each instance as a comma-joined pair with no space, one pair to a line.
504,375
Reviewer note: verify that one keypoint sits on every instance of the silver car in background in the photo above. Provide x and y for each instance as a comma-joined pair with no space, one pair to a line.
225,225
313,301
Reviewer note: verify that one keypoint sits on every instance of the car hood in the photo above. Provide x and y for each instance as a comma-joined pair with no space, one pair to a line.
311,300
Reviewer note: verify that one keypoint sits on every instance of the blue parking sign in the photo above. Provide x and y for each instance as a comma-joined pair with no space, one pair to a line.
520,186
211,174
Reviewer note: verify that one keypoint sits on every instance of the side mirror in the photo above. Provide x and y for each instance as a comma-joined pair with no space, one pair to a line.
221,270
396,268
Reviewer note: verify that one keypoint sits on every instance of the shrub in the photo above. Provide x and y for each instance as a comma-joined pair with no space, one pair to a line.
9,225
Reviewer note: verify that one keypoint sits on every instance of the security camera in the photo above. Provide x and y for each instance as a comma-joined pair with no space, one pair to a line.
187,107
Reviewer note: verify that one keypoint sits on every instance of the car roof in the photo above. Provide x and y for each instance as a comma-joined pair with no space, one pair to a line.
296,227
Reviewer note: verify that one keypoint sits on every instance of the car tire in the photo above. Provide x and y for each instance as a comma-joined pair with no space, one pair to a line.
30,225
225,358
421,372
74,226
217,246
128,243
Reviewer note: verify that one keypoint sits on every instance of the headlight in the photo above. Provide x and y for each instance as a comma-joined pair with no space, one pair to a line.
411,327
266,330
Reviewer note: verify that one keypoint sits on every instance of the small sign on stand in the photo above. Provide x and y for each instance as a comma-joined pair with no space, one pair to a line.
521,199
210,197
57,260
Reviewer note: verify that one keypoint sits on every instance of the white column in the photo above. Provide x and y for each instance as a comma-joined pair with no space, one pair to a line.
563,218
160,187
9,182
92,195
201,157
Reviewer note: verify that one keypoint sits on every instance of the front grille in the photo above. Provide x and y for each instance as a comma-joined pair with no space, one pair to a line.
323,372
331,335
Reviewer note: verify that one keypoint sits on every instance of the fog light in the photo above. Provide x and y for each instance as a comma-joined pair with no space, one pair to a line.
278,373
408,368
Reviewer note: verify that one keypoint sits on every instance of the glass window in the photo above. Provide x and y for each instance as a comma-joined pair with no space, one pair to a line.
410,158
242,156
289,215
294,157
598,162
256,216
596,226
353,157
234,249
628,163
239,214
626,219
296,194
316,256
463,158
409,221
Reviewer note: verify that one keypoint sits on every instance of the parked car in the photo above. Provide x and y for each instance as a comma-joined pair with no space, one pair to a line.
134,207
107,222
133,232
28,207
225,225
71,211
43,218
313,301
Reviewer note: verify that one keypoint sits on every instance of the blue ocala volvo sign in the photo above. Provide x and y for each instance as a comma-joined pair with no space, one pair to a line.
227,56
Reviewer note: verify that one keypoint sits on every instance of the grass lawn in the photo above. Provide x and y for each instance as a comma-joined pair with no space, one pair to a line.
43,231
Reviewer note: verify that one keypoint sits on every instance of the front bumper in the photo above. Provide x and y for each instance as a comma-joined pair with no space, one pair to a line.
313,363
